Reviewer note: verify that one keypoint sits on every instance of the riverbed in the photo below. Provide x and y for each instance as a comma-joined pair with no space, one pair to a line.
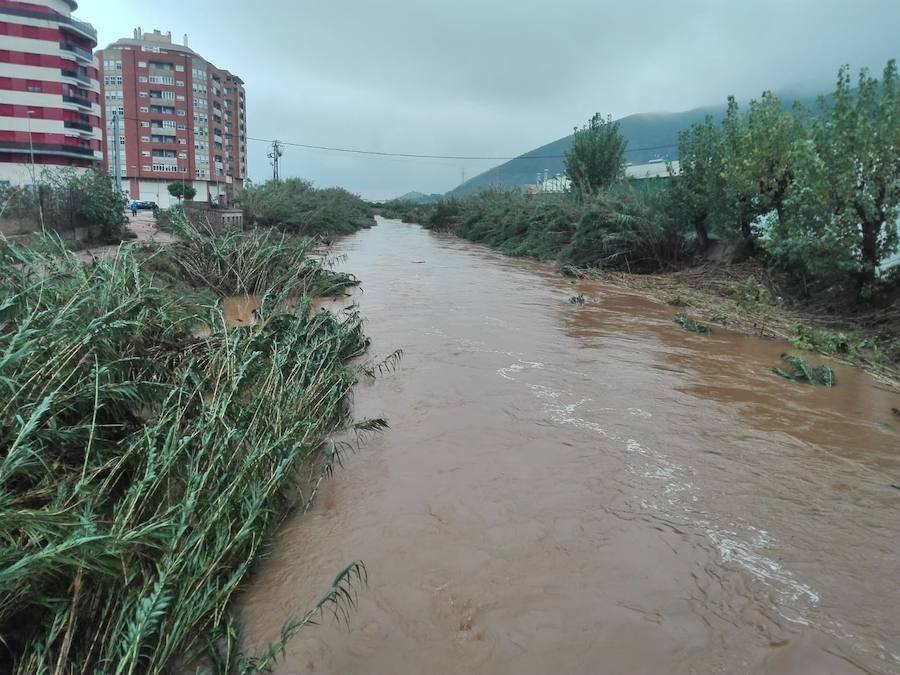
572,488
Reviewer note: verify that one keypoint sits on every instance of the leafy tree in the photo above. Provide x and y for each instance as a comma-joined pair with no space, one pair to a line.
843,210
597,157
757,169
182,190
697,192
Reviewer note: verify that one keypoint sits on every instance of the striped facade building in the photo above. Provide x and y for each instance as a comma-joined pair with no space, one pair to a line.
50,113
171,116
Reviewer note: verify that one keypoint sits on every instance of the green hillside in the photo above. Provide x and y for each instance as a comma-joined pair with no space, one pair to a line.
649,135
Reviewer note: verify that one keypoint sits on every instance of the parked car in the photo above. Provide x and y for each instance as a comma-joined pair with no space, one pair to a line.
146,206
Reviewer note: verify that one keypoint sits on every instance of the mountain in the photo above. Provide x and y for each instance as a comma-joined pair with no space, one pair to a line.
649,135
419,198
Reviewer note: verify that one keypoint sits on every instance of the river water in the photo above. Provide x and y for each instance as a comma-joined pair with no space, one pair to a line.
588,489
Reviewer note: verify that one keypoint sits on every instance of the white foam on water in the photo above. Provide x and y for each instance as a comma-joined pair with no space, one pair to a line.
680,491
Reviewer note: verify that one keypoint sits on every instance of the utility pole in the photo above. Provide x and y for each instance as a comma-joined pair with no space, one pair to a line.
116,155
35,188
275,155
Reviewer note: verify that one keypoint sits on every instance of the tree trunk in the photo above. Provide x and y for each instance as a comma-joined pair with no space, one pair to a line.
869,254
702,234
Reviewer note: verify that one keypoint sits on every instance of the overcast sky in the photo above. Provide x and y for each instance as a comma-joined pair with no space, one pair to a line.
493,77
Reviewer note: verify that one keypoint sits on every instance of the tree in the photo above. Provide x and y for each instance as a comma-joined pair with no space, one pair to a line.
843,209
697,191
182,190
597,157
757,167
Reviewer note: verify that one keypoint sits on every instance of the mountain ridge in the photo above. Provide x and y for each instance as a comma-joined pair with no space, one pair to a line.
650,136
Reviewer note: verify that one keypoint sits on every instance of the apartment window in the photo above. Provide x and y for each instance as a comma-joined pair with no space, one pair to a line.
145,124
143,94
142,64
179,83
34,88
145,153
142,79
121,140
167,95
182,141
182,127
179,97
145,139
147,167
168,124
181,113
144,109
179,69
161,79
165,168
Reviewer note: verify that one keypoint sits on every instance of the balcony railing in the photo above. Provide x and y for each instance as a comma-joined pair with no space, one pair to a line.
75,75
78,125
80,52
77,100
79,27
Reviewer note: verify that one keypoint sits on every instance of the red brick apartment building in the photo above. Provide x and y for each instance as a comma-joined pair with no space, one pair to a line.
49,90
179,118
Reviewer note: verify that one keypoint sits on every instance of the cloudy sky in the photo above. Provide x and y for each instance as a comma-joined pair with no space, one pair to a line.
493,77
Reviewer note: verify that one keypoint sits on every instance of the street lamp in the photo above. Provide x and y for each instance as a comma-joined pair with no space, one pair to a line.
35,191
31,149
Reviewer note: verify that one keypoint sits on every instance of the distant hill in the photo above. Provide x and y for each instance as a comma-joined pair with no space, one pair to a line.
420,198
649,135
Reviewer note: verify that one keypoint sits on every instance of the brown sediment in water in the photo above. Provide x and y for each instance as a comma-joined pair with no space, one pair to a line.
589,489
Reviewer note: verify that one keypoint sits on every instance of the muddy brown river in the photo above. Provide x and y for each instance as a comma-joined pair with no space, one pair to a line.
589,489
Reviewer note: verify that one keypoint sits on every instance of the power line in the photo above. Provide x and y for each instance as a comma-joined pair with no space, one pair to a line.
411,155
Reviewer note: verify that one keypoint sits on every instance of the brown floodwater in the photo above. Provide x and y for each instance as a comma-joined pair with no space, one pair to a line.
588,489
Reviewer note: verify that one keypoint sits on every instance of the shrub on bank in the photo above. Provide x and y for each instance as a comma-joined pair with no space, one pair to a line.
294,205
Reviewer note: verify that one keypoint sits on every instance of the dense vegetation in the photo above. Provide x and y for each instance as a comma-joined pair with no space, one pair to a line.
295,206
148,450
816,197
68,199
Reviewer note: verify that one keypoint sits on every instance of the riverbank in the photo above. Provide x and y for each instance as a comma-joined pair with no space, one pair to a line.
745,297
150,450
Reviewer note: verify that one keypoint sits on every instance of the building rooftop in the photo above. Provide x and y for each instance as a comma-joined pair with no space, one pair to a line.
157,38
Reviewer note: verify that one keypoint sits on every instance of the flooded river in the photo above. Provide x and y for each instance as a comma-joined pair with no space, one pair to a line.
589,489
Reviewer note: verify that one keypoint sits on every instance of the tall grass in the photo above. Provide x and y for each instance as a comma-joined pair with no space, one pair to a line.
296,206
622,229
237,263
143,470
